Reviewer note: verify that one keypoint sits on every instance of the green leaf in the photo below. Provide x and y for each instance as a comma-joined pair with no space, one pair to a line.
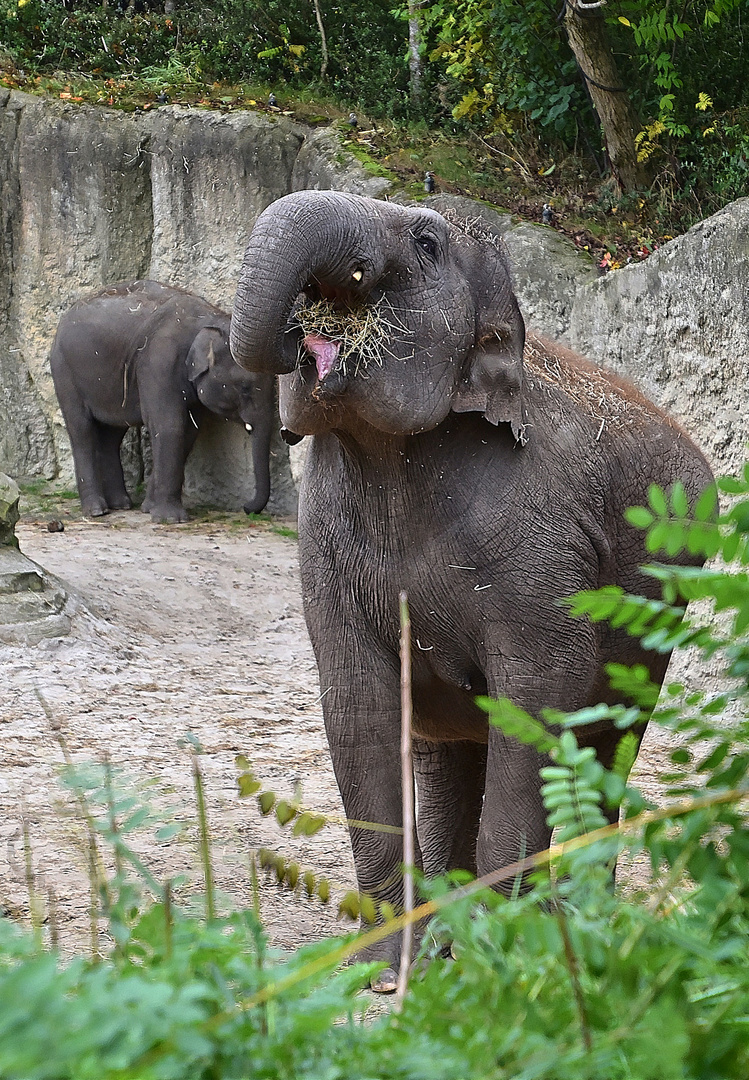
730,485
679,501
707,504
657,500
517,723
247,785
657,537
639,516
350,906
285,812
625,755
266,802
308,823
731,546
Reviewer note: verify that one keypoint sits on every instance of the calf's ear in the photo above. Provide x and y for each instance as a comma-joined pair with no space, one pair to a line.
492,380
201,356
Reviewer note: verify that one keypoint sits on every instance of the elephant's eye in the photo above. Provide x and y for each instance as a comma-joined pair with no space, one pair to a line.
427,245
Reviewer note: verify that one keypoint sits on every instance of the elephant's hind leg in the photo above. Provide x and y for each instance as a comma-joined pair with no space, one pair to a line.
110,467
450,777
83,432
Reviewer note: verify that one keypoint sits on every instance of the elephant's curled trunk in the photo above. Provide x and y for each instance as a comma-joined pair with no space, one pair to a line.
299,238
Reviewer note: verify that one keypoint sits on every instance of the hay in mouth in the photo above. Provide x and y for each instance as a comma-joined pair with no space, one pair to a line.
361,333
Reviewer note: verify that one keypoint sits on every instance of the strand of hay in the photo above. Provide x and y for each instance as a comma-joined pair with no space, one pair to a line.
362,333
588,387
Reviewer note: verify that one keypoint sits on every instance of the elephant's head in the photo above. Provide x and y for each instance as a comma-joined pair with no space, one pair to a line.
221,386
378,313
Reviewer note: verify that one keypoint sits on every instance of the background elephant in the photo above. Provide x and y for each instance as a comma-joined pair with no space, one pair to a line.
140,352
487,479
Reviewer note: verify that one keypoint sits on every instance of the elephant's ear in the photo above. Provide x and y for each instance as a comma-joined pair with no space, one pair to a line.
492,381
202,355
492,376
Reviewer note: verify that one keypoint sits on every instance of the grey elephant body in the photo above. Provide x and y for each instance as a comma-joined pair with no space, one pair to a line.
487,485
139,352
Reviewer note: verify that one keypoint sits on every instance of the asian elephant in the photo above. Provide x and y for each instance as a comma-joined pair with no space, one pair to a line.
140,352
485,475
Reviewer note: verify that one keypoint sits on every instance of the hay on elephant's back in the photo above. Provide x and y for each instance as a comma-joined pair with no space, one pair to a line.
594,390
362,332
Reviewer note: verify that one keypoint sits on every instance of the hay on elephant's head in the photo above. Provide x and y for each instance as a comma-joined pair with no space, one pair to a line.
362,333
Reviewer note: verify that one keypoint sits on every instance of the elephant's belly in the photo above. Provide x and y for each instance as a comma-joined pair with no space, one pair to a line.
118,416
445,712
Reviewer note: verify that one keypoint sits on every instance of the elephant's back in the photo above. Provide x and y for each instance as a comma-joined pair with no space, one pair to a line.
608,416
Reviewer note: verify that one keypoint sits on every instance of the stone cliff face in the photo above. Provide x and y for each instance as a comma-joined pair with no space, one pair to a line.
91,196
677,325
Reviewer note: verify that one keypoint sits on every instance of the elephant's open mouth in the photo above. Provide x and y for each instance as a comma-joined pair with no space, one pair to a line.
343,338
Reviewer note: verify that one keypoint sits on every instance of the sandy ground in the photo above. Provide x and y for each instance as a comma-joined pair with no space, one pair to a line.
195,628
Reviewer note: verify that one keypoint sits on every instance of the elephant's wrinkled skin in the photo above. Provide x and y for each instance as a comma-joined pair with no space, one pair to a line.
486,485
140,352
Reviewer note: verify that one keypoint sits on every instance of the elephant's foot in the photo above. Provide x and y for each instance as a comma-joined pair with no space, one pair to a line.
384,982
119,502
388,952
168,513
94,507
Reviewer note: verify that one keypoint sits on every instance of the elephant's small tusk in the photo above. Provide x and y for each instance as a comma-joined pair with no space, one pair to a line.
358,275
248,427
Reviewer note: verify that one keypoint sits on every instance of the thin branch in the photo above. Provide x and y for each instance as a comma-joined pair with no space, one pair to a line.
205,840
323,40
407,793
574,970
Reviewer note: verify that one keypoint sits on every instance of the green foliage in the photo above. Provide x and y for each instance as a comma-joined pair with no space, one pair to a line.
507,58
270,43
570,981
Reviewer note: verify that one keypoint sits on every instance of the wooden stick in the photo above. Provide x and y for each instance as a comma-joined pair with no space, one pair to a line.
407,791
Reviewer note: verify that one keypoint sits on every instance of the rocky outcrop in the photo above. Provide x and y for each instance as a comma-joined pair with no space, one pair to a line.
90,196
33,605
678,326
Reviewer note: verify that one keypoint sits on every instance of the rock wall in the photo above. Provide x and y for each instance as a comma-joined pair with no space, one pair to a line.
678,325
91,196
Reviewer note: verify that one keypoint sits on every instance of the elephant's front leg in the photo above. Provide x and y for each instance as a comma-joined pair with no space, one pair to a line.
173,435
360,681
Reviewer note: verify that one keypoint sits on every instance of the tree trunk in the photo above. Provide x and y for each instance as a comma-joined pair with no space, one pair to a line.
414,49
586,31
323,41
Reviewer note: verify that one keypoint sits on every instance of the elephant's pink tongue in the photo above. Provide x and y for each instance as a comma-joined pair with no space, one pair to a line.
324,351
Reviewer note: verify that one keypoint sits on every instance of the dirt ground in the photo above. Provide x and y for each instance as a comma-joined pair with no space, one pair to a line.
193,628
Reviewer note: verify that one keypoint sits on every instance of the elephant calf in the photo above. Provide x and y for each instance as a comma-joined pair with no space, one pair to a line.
140,352
487,478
